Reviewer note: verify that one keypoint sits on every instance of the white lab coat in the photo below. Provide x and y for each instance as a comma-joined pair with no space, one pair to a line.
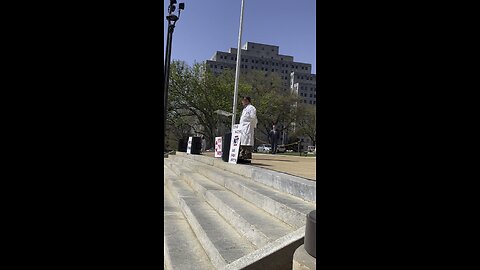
248,122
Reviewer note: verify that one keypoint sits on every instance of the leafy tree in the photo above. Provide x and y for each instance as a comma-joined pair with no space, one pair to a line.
274,104
305,125
195,95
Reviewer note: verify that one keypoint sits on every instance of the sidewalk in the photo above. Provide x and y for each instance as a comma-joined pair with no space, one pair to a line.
294,165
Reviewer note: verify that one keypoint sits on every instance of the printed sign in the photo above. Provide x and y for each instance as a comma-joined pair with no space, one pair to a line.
189,145
234,145
218,146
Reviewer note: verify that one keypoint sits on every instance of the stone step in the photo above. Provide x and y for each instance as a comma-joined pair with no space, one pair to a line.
258,226
181,247
288,208
219,239
300,187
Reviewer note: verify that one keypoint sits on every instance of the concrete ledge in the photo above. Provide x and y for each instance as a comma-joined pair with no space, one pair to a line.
277,255
293,185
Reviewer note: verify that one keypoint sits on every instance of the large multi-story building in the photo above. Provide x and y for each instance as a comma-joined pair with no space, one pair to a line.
296,76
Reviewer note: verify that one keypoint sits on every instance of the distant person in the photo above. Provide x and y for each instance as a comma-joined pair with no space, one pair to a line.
248,122
274,136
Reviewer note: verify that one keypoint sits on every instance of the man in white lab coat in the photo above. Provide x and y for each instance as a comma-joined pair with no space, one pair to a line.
248,122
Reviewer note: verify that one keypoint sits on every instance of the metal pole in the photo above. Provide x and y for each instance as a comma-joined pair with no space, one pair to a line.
237,70
171,27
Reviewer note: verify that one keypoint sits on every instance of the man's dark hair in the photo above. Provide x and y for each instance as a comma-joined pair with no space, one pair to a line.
247,98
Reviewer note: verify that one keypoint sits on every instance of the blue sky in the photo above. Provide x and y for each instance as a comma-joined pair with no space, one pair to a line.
207,26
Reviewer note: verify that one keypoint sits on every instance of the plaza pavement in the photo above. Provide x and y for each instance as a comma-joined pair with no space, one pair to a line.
294,165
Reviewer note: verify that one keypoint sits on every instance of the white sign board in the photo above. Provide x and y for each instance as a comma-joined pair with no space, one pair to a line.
218,146
189,145
234,145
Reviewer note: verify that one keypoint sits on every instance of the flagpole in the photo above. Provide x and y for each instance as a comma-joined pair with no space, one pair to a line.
237,70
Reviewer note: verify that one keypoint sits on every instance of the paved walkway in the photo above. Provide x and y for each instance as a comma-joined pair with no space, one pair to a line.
294,165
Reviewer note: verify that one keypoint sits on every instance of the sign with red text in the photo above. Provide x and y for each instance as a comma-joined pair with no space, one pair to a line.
218,146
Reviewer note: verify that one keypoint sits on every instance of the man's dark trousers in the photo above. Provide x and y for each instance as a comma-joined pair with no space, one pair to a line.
274,136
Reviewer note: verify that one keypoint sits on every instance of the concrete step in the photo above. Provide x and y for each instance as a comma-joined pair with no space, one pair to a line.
290,209
258,226
181,247
219,239
296,186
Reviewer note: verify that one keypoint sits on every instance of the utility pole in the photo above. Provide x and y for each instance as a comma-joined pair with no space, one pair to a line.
172,19
237,71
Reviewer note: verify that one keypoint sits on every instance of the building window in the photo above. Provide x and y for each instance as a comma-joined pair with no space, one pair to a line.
253,67
273,50
310,95
283,65
263,48
281,58
296,67
315,96
215,66
273,70
310,102
211,66
246,60
253,46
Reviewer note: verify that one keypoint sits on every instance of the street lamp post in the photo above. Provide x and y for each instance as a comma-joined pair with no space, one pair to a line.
172,19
